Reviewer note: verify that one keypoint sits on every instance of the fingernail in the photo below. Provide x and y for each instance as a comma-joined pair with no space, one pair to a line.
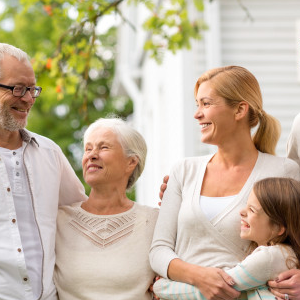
232,282
276,279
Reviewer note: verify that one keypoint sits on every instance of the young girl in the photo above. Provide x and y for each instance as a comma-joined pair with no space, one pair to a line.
271,221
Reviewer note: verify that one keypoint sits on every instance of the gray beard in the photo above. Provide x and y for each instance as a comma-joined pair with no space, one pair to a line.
9,123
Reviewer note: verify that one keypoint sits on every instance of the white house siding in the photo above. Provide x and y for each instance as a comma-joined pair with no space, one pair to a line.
164,100
267,46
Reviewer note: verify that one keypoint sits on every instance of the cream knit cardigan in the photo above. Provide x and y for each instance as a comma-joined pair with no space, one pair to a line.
182,229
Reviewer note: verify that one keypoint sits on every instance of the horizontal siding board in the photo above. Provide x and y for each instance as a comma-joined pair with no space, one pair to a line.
267,47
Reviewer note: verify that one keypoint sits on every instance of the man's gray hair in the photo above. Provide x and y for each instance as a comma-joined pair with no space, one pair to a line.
131,141
6,49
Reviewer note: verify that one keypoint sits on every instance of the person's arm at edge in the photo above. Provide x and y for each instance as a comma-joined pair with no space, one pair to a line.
288,283
213,283
294,141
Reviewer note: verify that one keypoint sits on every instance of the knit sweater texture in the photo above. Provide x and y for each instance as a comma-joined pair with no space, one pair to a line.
104,256
182,229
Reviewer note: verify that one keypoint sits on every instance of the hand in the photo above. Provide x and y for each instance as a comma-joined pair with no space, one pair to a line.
288,283
163,187
150,289
215,284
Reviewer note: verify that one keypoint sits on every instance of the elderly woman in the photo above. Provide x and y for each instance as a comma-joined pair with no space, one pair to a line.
102,244
197,234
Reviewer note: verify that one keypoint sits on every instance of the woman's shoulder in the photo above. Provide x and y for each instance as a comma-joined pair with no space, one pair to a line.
147,216
274,158
280,166
192,162
296,122
65,210
197,159
147,210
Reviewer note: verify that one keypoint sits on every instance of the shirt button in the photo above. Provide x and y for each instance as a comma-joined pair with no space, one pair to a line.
8,189
25,279
14,153
17,162
17,174
19,249
13,220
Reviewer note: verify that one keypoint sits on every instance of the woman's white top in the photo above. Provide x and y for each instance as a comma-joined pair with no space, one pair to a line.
104,256
212,206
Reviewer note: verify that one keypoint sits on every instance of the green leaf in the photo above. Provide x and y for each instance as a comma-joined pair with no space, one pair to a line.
199,5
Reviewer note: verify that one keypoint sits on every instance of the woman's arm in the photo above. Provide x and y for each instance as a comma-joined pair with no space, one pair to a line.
251,273
213,283
163,258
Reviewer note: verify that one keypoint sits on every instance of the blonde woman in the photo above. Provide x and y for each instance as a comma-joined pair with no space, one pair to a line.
197,232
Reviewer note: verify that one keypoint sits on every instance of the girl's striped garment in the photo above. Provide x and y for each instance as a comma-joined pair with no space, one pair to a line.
250,276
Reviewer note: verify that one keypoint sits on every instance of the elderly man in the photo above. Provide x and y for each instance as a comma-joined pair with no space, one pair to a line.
35,177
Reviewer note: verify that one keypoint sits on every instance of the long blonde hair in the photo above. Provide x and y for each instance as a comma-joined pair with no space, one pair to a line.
236,84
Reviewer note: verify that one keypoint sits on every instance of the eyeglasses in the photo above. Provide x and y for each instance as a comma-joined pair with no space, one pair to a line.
20,90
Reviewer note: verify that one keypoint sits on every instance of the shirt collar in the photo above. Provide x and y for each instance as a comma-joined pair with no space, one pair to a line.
27,137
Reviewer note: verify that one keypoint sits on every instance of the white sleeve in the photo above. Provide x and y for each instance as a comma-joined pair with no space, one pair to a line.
164,238
71,189
257,268
167,289
293,143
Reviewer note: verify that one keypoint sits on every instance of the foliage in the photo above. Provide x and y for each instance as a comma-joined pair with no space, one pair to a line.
74,63
171,27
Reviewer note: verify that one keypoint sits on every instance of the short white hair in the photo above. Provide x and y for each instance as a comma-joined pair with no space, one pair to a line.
6,49
131,140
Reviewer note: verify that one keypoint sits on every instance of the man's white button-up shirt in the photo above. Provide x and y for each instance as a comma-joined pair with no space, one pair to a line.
52,182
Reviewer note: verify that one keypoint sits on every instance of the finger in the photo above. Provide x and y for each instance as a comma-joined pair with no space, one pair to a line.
227,278
228,293
229,296
285,275
280,285
161,194
231,293
219,298
163,187
272,283
162,190
280,294
166,179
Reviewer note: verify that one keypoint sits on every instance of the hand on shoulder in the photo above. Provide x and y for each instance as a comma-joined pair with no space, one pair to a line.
163,187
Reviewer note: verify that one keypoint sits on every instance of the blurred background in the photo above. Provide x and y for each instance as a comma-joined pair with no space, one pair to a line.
140,60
